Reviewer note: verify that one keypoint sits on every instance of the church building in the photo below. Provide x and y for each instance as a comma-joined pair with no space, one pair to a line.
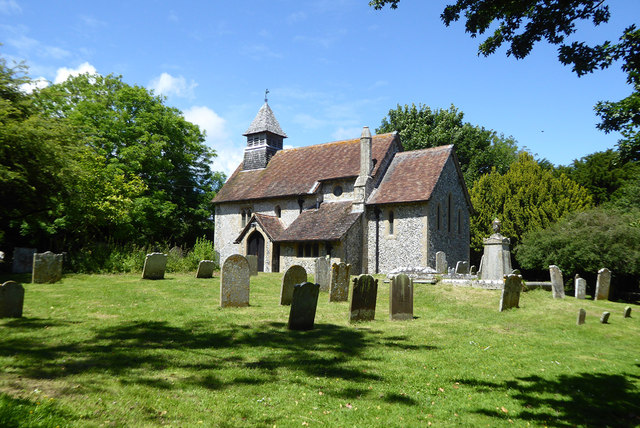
362,201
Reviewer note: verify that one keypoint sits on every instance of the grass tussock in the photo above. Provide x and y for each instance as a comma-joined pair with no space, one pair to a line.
116,350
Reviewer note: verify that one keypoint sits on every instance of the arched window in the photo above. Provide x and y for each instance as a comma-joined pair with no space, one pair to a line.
459,221
301,204
244,218
438,217
391,220
449,208
278,211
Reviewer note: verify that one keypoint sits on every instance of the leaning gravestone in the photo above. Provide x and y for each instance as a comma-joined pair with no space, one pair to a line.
557,282
339,288
582,314
11,300
441,262
363,299
205,269
462,268
47,267
511,292
605,317
323,272
602,285
627,312
22,259
581,288
401,298
253,264
303,306
154,266
294,275
234,282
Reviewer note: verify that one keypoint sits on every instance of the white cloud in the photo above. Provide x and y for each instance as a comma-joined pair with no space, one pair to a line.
37,83
347,133
8,7
166,84
64,73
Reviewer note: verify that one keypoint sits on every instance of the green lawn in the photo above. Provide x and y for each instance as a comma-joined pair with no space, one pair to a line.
114,350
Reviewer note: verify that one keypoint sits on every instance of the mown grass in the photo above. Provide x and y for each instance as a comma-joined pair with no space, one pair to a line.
115,350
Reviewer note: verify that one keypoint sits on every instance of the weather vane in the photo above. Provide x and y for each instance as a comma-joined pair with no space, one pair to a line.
266,92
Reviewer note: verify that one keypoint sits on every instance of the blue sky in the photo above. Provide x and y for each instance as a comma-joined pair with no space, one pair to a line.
331,66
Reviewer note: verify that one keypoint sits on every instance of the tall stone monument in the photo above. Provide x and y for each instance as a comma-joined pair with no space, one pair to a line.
496,260
557,282
602,285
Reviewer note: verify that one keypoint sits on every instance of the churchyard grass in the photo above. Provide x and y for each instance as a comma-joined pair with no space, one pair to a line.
115,350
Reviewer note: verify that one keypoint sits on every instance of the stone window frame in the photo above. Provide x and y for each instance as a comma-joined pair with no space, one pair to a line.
459,221
337,190
391,226
449,212
245,216
438,217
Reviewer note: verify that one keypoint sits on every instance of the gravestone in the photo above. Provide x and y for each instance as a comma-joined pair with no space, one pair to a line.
602,285
11,300
205,269
253,264
303,306
462,268
581,288
627,312
441,262
472,270
22,259
323,272
557,282
582,314
234,282
401,298
154,266
339,288
294,275
605,317
47,267
511,292
496,259
363,298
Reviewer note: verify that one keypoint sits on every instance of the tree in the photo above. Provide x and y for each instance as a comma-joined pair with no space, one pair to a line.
521,24
478,149
155,161
525,199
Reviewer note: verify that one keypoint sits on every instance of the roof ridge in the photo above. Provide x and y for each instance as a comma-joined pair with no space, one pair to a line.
350,140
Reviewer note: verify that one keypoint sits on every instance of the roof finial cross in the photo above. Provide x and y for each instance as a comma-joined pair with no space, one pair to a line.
266,99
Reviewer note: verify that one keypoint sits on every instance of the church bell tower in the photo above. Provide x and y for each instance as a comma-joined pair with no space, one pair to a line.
264,138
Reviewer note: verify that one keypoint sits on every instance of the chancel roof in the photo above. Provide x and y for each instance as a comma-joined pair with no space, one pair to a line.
298,171
330,222
271,225
265,121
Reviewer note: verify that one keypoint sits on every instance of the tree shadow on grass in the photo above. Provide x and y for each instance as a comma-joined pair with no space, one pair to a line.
589,399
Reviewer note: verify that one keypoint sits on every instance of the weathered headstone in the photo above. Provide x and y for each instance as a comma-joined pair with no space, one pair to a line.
581,288
627,312
496,258
472,270
323,272
253,264
582,314
363,299
441,262
205,269
604,318
401,298
511,292
154,266
11,300
602,285
303,306
234,282
462,268
22,259
339,288
294,275
557,282
47,267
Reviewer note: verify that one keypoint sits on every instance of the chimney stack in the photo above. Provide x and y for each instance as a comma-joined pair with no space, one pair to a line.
365,152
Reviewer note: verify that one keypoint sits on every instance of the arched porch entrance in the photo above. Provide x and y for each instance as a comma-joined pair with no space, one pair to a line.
255,246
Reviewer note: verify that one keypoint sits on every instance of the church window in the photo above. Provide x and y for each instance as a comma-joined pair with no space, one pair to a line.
278,211
328,248
337,191
307,250
315,250
449,213
459,221
391,222
301,204
300,250
244,218
438,218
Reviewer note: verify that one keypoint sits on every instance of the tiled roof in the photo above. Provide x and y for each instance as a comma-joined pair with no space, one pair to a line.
330,222
296,171
270,224
412,176
265,120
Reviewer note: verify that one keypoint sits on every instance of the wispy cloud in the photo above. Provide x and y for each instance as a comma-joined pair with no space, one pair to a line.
166,84
347,133
9,7
325,41
259,52
64,73
91,22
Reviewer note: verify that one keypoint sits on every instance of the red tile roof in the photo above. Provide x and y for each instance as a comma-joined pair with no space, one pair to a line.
412,176
270,224
295,171
330,222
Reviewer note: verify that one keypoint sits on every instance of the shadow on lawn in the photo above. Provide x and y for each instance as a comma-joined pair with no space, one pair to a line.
589,399
146,352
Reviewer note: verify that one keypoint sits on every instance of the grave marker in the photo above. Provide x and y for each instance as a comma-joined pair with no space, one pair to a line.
154,266
205,269
627,312
401,298
253,264
363,298
581,288
441,262
22,259
462,268
11,300
323,272
234,282
294,275
557,282
339,290
582,314
303,306
47,267
602,285
605,317
511,292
